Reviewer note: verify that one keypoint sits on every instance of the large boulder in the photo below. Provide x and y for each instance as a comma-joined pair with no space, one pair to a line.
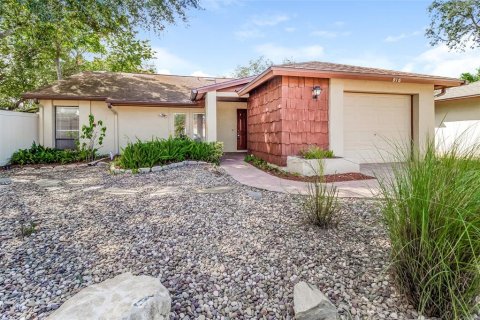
125,297
311,304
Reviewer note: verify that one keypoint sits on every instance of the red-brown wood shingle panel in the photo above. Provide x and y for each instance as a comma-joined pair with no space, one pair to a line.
284,118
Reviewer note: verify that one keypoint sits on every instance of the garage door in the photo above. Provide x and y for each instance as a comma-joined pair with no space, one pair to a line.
373,123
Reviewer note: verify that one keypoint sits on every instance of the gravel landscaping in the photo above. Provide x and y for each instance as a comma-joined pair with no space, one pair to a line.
222,249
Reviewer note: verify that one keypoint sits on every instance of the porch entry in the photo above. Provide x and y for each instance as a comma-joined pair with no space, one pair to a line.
241,129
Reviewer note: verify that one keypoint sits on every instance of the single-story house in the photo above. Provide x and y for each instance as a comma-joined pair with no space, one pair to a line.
356,112
457,115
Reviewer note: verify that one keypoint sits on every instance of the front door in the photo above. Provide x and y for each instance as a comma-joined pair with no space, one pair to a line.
241,129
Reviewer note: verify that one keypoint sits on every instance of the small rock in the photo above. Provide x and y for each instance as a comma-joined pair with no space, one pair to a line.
124,297
311,304
255,195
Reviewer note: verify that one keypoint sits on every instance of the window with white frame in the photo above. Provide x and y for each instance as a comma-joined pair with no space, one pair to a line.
66,127
180,124
198,131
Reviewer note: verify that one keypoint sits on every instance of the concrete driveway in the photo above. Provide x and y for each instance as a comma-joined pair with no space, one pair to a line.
249,175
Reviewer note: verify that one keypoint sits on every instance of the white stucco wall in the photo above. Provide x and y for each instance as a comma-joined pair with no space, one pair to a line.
18,130
457,119
423,107
139,122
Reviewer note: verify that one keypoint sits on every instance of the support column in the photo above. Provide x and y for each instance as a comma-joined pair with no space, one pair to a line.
423,118
335,115
211,115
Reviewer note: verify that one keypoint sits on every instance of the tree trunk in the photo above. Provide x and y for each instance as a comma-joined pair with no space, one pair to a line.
58,64
59,68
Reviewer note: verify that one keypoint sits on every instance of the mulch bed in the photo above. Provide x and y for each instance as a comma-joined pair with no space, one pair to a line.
351,176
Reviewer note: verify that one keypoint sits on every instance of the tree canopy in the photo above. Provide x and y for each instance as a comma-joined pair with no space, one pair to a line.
455,23
253,67
45,40
471,77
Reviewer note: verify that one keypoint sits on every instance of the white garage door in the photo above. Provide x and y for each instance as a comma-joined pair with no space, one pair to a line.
373,124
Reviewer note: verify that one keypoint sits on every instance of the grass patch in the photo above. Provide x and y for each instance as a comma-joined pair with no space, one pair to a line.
314,152
320,203
146,154
432,212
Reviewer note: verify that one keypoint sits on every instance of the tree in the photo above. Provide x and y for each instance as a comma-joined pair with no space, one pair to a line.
254,67
471,77
41,41
455,23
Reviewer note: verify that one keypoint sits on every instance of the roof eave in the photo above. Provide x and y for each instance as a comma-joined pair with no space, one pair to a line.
199,93
32,95
151,103
438,82
458,98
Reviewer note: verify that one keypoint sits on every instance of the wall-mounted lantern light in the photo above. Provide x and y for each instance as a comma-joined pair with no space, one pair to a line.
316,91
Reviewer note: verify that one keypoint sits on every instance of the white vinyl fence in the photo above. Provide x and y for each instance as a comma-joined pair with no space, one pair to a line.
17,131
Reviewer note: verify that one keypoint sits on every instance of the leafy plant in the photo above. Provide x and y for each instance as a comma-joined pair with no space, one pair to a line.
432,212
40,154
91,135
27,230
314,152
320,203
262,164
143,154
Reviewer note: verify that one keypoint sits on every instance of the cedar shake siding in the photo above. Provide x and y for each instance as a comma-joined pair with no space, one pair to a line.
283,118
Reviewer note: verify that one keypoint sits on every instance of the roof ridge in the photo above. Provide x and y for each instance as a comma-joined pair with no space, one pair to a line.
153,74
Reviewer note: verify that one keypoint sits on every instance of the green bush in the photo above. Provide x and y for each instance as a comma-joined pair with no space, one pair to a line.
314,152
320,203
146,154
432,212
40,154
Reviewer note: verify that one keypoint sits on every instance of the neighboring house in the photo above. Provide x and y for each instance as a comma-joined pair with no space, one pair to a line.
356,112
457,114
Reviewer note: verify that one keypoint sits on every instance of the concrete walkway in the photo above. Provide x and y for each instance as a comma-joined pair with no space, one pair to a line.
249,175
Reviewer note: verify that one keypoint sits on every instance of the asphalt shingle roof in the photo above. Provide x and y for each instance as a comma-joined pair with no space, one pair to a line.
124,87
336,67
465,91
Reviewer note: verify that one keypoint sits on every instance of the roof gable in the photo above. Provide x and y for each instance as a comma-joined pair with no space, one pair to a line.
319,69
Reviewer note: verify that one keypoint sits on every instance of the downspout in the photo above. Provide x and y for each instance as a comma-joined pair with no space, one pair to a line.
115,128
193,94
442,92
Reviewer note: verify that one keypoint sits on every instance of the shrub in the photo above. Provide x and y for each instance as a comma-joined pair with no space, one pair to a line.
27,229
262,164
40,154
432,212
314,152
146,154
321,201
91,135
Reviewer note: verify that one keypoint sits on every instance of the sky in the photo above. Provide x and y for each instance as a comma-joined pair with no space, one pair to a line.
227,33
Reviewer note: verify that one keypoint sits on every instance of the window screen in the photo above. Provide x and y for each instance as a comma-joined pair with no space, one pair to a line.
180,124
66,127
199,126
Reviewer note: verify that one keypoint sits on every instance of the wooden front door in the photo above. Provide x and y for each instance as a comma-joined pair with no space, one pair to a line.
241,129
